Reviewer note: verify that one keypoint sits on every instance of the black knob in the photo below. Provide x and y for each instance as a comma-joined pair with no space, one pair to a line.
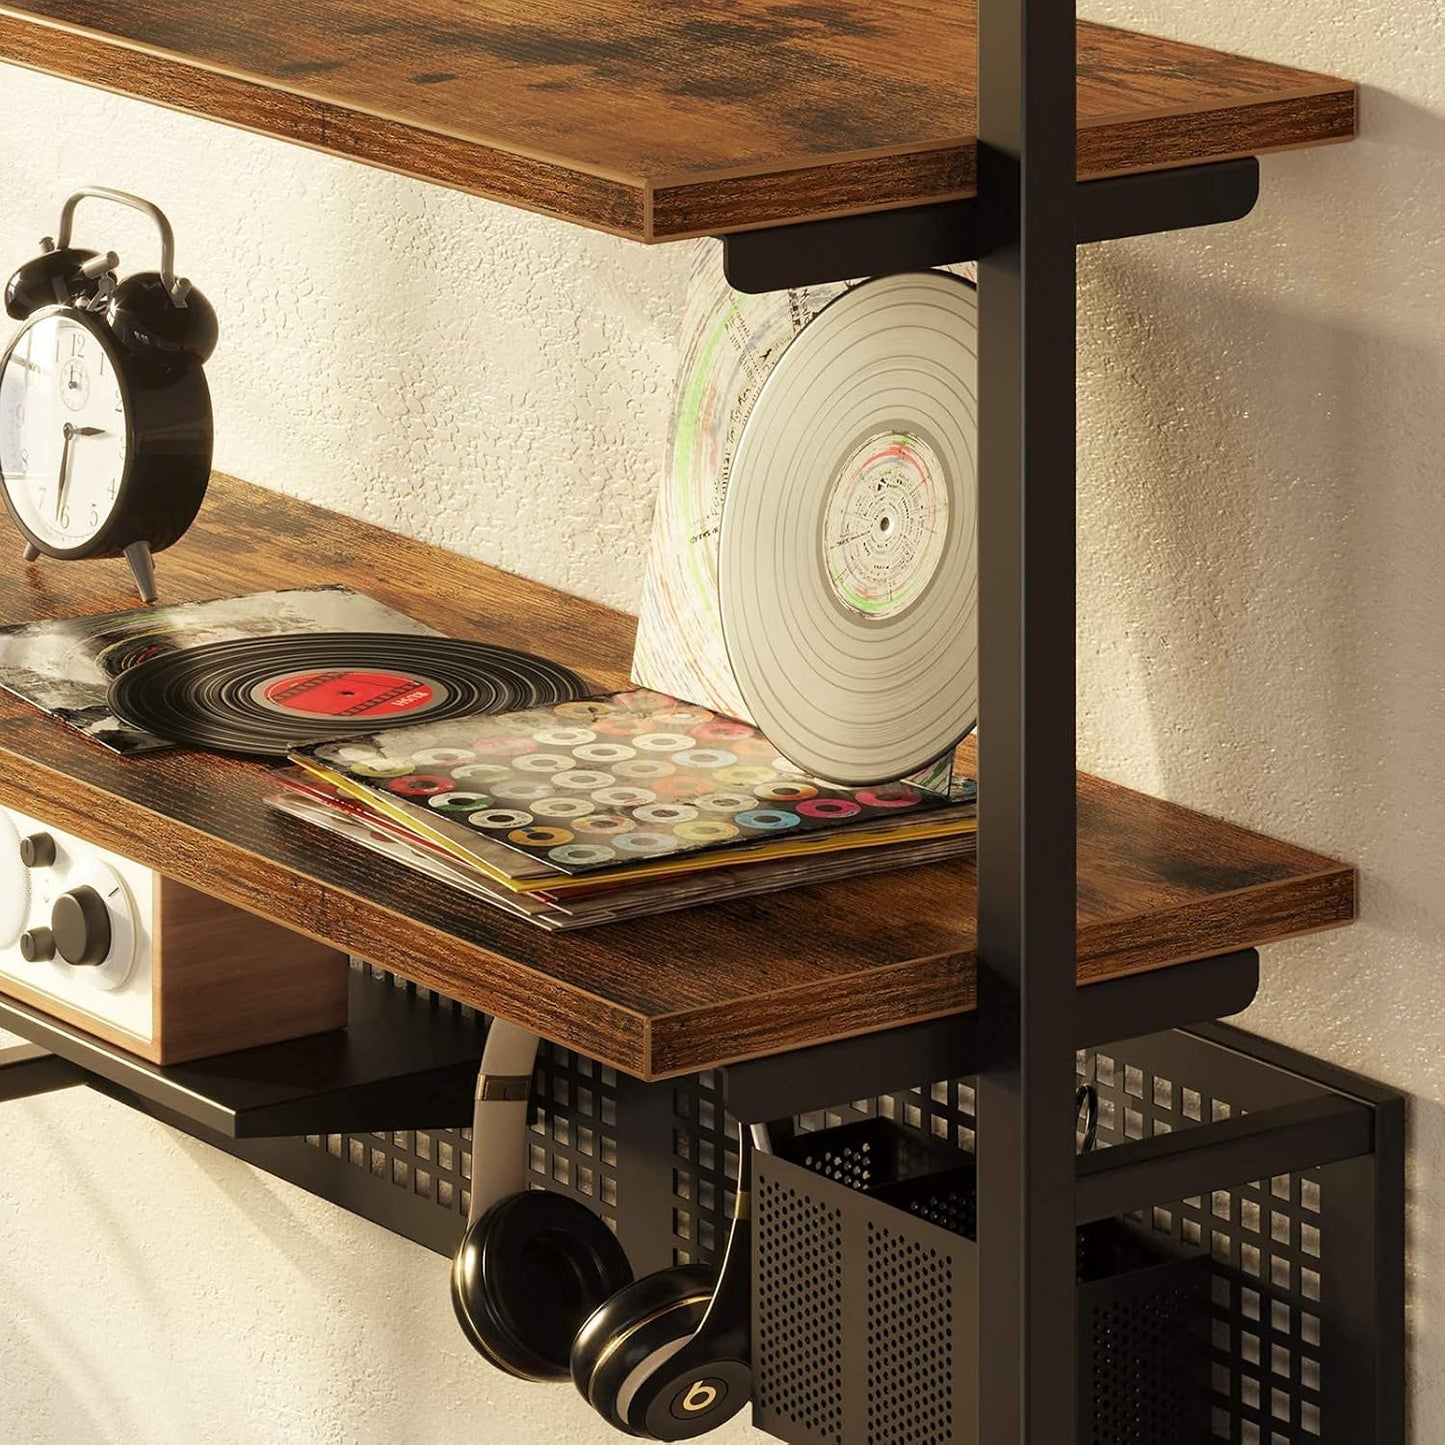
81,923
37,945
38,851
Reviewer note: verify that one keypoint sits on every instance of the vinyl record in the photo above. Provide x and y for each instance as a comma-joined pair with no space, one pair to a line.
848,560
268,695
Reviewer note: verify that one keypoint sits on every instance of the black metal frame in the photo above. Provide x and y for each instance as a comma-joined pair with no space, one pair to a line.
1027,806
1029,214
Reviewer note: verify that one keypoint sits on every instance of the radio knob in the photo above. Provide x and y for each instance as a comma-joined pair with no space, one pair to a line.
37,945
81,924
38,851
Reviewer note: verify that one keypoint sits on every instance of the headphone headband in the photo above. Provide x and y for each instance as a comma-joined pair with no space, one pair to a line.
499,1117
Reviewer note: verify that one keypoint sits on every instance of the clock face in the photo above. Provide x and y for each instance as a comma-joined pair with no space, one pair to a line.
63,429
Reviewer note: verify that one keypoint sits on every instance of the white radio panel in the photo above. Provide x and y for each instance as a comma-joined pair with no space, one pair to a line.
75,923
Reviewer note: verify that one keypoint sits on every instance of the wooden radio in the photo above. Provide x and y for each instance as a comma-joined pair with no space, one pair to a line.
147,963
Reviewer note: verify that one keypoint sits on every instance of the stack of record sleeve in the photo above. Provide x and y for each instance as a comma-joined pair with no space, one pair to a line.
589,811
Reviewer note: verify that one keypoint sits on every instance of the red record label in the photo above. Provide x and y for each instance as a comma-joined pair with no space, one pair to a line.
346,692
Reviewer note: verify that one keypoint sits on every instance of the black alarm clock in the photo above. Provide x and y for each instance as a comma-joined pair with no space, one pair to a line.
105,415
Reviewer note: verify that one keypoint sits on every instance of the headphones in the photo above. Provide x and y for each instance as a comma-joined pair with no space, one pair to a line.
543,1290
152,313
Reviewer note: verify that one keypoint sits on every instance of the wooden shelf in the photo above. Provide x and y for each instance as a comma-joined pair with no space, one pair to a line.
402,1062
1158,884
659,121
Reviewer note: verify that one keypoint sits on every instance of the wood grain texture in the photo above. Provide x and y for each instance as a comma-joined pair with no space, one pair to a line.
659,121
1158,884
226,979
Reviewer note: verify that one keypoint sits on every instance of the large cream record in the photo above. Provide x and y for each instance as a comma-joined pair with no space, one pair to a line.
730,342
848,554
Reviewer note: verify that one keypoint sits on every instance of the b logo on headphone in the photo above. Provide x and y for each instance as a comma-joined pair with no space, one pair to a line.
700,1397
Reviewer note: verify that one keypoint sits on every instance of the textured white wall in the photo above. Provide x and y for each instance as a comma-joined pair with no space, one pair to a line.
1262,422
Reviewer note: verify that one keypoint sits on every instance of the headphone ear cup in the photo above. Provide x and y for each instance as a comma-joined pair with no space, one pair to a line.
634,1332
528,1273
55,278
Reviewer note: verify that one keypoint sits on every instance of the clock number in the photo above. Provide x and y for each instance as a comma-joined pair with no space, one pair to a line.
94,517
113,485
24,462
77,343
65,518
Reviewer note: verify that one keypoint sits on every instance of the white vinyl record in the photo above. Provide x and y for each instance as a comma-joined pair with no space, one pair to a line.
848,556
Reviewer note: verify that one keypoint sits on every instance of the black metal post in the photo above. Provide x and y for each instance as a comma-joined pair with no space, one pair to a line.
1026,879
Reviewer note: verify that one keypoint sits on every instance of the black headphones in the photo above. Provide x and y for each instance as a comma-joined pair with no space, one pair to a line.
152,312
543,1289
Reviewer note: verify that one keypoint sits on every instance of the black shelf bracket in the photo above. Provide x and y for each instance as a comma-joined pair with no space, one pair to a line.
767,1089
402,1060
26,1070
813,253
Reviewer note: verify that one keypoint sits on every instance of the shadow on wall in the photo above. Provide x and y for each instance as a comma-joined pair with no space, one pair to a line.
1261,508
1262,522
1262,612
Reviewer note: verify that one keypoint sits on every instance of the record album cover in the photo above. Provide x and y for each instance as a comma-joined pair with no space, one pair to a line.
611,783
66,667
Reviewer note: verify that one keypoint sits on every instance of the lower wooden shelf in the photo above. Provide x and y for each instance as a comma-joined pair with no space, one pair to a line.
402,1062
1158,884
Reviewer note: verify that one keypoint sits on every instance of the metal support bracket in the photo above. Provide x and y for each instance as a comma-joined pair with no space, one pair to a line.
783,1085
812,253
26,1071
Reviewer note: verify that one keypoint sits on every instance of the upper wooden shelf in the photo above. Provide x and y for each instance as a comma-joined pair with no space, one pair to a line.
659,121
1158,884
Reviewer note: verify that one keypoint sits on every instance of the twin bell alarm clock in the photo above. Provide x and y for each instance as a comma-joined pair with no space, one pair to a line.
105,415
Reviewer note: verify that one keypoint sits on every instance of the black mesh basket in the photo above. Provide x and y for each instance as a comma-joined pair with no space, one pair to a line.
865,1303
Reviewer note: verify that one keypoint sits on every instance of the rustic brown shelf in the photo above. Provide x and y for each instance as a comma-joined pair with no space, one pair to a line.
660,121
1158,884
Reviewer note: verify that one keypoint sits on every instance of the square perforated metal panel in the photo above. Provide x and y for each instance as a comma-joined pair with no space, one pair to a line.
572,1145
1283,1292
1288,1325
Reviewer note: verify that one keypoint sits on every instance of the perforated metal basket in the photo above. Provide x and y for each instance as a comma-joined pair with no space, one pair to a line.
865,1304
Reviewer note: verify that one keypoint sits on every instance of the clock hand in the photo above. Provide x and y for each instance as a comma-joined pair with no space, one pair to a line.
64,483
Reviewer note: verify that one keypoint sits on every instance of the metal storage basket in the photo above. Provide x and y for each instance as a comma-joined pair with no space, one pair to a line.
865,1309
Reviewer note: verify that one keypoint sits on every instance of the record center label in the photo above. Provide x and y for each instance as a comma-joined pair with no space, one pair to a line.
885,523
345,692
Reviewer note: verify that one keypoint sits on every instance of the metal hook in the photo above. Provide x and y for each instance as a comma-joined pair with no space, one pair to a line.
176,288
1087,1099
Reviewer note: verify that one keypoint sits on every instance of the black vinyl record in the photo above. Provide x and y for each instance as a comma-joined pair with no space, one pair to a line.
268,695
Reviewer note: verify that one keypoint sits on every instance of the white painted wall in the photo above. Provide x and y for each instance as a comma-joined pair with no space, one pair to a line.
1261,434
